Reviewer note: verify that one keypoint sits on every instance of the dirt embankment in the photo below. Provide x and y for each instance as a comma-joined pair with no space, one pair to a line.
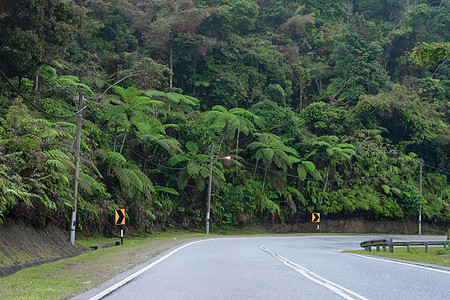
23,246
360,225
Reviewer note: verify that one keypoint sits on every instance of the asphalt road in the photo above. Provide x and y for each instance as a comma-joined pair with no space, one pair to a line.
302,267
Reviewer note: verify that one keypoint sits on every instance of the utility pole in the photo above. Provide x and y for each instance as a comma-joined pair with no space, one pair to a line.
77,164
420,191
208,201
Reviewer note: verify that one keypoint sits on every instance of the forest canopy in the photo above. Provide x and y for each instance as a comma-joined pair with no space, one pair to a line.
324,106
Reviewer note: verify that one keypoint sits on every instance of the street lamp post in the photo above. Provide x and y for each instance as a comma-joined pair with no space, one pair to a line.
208,201
420,191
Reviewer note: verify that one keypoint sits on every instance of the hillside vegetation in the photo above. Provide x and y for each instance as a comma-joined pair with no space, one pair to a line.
324,106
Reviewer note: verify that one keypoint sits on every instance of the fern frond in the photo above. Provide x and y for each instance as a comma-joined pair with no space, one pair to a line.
166,190
69,78
165,126
56,164
142,100
177,158
115,158
122,176
194,169
67,125
155,93
84,184
192,147
147,183
183,178
57,154
219,108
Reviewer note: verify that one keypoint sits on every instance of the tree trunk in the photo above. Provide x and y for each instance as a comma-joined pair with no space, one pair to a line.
254,172
123,141
171,67
237,145
108,169
319,85
326,181
237,140
19,86
115,139
36,83
300,105
264,180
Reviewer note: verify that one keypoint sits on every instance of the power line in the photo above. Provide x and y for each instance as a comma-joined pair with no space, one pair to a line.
37,107
438,169
76,113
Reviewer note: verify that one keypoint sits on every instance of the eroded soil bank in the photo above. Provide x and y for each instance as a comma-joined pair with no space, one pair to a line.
23,246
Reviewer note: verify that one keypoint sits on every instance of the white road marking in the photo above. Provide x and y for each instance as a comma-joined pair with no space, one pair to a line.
134,275
340,290
402,263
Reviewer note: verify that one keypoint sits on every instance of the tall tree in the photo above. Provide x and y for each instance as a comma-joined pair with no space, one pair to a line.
33,32
270,149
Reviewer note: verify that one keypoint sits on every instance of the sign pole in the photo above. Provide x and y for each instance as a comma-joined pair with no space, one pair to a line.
315,218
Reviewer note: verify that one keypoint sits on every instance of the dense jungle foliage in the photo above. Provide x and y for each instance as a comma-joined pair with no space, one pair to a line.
323,105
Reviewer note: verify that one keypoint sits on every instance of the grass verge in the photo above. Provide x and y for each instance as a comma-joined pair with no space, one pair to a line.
435,255
69,277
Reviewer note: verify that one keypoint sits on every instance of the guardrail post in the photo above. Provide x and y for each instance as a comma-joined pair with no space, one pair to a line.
384,248
426,246
407,246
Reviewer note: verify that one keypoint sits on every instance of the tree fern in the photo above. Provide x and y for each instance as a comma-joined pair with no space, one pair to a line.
166,190
183,179
142,100
177,158
122,175
174,98
147,185
115,158
269,205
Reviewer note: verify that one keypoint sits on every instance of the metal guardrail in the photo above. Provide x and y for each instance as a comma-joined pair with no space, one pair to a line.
387,242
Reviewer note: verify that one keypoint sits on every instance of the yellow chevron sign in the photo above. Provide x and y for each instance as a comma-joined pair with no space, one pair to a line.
120,216
316,217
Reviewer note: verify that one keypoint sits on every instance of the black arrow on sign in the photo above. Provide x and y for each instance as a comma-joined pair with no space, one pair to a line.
316,217
121,217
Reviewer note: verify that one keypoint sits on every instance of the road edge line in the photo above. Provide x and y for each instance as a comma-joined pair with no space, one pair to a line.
146,268
438,268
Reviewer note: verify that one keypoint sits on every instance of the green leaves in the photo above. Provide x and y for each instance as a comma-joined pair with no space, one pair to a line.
129,175
427,55
305,167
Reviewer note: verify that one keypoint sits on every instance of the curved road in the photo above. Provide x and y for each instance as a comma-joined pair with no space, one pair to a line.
300,267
